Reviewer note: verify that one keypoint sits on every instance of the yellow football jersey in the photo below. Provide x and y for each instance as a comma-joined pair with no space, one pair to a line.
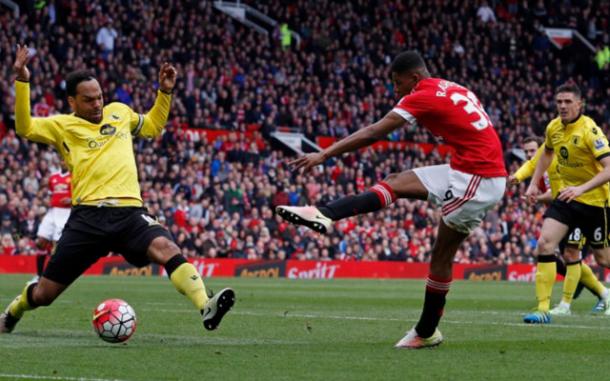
578,148
527,170
100,156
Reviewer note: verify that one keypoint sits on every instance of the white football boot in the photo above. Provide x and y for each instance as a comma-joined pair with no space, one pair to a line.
309,216
413,341
216,307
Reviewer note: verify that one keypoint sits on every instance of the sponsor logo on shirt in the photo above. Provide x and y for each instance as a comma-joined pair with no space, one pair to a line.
107,129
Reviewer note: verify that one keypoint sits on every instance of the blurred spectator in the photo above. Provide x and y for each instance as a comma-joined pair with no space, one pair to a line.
105,38
485,13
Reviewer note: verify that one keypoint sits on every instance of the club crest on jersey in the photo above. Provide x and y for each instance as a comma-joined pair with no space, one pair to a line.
107,129
563,151
599,143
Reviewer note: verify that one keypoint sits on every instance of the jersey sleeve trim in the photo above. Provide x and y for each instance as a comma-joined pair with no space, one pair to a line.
136,131
602,156
405,115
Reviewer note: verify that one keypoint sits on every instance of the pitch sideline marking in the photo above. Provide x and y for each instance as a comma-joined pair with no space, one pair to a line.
37,377
370,318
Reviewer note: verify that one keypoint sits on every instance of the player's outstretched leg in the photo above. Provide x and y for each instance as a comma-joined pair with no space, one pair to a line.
321,218
188,282
216,307
15,310
8,319
309,216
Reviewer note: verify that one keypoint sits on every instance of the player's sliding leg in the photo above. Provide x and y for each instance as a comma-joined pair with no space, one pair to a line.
34,295
397,185
546,270
75,252
187,280
425,333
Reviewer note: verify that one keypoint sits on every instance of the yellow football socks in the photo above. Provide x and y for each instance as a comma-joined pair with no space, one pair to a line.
546,271
188,282
571,281
20,304
590,281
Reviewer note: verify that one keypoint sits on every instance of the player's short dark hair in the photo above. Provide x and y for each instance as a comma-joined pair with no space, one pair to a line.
76,77
569,88
532,138
407,61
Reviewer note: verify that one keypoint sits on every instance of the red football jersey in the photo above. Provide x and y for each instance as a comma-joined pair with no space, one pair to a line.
60,185
455,114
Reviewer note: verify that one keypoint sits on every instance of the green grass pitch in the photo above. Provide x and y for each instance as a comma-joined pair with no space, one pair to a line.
303,330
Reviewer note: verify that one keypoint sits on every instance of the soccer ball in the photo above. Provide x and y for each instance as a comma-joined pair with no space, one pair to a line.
114,320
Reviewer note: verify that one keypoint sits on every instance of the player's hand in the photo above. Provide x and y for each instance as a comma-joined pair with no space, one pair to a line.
512,180
307,162
531,194
21,60
66,201
570,193
167,77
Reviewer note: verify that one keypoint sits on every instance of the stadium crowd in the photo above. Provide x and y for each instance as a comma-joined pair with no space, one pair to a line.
217,197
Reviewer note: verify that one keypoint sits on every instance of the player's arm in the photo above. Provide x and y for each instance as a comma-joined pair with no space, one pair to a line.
40,130
527,169
544,161
151,124
546,197
359,139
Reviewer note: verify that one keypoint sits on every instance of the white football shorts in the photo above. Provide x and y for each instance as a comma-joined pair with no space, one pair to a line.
464,198
53,224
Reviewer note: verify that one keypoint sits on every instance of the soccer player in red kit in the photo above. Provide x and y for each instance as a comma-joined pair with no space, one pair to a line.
466,188
53,222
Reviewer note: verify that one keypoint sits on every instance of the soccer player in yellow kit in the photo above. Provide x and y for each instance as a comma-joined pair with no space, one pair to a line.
583,164
570,246
95,141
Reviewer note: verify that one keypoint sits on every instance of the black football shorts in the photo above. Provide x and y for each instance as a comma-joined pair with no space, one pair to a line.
590,222
92,232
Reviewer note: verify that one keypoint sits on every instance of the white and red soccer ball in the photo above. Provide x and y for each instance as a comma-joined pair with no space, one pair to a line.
114,320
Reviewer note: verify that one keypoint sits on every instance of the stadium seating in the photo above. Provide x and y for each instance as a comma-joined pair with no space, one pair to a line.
217,197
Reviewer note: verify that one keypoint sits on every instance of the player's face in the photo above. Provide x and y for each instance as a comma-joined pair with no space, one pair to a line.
404,83
88,102
568,106
530,149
